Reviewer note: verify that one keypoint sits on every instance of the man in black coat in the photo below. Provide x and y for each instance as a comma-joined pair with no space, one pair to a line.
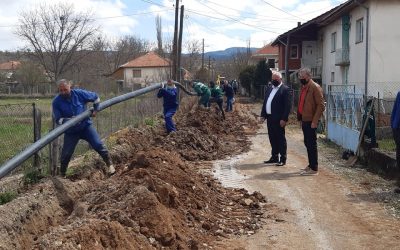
276,110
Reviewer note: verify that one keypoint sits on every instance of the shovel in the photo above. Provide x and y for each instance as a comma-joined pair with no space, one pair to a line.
353,159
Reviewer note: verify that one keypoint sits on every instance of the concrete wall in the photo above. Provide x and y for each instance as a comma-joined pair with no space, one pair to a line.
384,47
328,57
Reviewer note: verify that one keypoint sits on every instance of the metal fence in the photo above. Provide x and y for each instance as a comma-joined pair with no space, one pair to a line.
16,129
17,125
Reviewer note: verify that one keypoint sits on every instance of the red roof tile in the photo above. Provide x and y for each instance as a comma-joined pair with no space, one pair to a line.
10,65
150,59
267,50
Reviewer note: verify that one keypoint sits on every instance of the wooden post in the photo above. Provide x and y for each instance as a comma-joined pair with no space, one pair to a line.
37,125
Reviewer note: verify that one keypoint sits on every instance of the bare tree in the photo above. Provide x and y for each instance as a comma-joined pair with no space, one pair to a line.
159,36
57,36
192,61
128,48
241,60
30,74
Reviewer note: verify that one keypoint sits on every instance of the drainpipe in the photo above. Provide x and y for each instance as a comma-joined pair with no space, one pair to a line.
287,60
366,45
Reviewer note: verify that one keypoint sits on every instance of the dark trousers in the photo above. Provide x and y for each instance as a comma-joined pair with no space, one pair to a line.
169,123
310,141
219,102
277,139
88,134
396,137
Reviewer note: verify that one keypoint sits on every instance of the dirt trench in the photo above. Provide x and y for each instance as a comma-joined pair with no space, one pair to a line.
160,196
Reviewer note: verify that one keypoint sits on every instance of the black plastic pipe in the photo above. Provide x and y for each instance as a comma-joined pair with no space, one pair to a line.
17,160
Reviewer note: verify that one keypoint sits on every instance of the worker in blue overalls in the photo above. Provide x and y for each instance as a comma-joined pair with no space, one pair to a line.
169,93
68,104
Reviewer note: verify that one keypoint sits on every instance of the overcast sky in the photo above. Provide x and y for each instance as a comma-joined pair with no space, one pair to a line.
222,23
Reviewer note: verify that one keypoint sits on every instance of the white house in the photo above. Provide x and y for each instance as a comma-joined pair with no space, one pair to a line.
359,43
352,44
144,70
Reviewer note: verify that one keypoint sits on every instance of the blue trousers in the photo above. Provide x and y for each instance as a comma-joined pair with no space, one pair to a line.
88,134
169,123
229,103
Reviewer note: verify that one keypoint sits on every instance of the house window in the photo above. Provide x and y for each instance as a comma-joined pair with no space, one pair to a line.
333,42
271,63
294,51
136,73
359,30
332,76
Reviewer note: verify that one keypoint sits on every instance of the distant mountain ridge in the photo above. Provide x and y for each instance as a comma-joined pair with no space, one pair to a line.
227,53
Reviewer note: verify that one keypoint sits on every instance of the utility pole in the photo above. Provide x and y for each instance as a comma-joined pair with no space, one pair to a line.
179,72
202,57
175,42
209,68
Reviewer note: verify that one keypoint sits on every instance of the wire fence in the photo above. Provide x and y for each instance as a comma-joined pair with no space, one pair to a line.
351,109
17,125
16,129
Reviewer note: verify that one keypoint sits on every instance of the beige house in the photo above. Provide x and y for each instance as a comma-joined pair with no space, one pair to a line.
8,69
144,70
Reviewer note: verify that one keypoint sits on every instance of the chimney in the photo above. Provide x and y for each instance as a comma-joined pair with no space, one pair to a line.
298,24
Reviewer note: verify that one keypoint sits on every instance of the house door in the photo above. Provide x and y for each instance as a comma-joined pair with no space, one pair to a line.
309,54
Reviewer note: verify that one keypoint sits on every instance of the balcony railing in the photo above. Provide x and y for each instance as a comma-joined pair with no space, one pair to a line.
314,65
342,57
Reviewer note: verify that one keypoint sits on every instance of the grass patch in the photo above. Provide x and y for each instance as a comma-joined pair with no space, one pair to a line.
387,145
32,176
150,122
6,197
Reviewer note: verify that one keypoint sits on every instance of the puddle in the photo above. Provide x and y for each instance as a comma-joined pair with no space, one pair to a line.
227,173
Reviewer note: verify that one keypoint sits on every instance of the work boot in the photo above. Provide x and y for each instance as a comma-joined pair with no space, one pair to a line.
107,160
111,169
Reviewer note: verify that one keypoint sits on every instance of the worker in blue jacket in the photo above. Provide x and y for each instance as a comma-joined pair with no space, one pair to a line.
395,124
169,93
68,104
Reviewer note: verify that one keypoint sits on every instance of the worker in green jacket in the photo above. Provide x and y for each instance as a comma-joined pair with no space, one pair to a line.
217,96
204,92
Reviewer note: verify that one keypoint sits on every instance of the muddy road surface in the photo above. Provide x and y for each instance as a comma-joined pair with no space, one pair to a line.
328,211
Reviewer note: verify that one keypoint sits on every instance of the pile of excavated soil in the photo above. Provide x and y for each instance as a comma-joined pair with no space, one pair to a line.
157,199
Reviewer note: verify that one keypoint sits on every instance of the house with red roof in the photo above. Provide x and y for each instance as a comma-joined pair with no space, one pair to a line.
8,68
269,54
144,70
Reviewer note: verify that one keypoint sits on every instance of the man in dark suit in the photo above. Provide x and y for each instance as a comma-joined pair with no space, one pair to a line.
276,110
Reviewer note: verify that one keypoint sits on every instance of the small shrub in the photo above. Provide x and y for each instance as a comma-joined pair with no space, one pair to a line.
149,122
32,176
7,197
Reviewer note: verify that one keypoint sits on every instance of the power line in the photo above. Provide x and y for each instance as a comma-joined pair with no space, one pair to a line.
251,13
234,19
101,18
282,10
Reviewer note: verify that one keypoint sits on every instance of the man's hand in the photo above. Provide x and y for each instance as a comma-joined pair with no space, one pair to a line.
94,113
314,125
282,123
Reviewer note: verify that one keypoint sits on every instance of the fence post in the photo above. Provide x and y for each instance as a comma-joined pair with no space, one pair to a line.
53,153
37,125
379,110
